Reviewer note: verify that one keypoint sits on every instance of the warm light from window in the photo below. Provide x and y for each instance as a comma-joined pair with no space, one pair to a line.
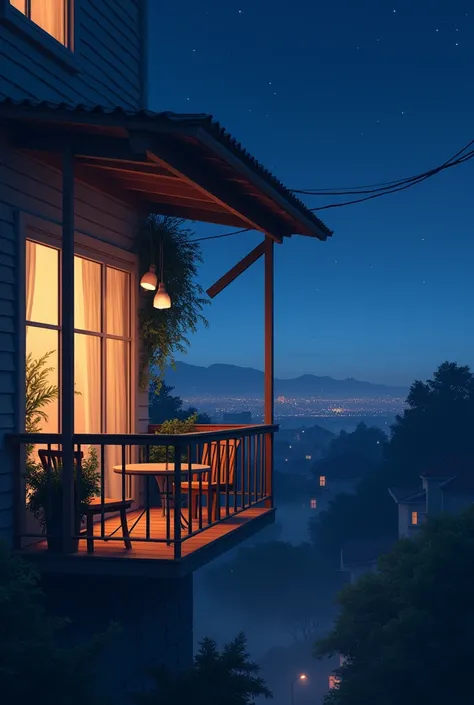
322,481
333,682
313,504
50,15
414,518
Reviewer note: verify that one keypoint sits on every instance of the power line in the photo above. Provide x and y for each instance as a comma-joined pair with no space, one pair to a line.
353,190
369,192
402,187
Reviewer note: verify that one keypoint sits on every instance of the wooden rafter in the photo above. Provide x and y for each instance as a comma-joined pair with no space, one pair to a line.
170,157
236,270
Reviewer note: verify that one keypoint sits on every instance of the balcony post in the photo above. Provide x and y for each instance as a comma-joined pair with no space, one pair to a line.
269,413
69,528
178,449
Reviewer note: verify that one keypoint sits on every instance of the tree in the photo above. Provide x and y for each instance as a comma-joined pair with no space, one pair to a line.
437,425
405,632
366,441
227,677
164,406
33,667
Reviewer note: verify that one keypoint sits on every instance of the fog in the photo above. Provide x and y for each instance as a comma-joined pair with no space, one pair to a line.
281,643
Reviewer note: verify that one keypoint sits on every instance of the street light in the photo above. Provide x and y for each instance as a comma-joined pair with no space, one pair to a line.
301,678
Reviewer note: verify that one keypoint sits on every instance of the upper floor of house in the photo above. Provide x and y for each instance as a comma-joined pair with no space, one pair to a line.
448,488
91,52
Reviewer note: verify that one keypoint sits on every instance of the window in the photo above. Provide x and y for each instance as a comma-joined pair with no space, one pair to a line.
322,481
313,504
308,457
103,343
414,518
50,15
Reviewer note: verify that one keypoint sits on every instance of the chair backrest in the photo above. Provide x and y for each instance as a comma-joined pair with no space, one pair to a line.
222,463
54,458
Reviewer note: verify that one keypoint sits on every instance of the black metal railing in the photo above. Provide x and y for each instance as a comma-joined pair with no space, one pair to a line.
138,488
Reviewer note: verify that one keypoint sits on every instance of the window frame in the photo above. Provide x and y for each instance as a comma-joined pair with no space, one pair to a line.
49,233
65,54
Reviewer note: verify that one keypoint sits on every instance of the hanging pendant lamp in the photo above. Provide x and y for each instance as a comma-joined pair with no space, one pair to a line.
162,299
149,280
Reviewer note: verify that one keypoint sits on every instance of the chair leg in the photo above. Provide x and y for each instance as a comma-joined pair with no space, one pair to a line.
214,506
90,532
126,535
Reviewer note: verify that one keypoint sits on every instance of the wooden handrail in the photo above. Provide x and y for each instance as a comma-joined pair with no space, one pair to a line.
144,439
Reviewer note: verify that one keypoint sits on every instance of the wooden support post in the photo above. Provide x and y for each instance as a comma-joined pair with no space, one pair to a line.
69,524
269,412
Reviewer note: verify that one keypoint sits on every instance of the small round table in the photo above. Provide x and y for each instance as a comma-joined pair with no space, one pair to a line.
163,473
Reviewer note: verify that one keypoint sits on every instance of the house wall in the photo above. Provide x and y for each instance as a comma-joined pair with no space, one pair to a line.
29,187
155,620
107,63
405,527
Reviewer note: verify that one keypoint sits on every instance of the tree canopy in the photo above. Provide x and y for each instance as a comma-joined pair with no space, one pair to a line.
366,441
437,424
164,406
405,632
435,427
226,677
33,666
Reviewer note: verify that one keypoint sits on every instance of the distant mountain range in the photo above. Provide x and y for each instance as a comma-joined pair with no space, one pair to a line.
233,381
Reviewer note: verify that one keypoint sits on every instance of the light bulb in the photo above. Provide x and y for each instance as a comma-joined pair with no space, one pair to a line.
149,279
162,298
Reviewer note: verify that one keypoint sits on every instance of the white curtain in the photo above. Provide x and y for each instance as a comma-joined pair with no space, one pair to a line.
30,277
50,15
87,308
19,4
118,369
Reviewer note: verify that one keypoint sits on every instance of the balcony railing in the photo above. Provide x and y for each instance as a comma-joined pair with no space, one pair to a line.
170,489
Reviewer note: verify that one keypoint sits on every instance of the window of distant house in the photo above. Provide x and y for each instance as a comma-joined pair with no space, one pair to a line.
414,518
313,504
308,457
322,481
50,15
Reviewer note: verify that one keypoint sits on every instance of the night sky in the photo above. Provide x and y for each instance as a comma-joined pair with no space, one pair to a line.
338,94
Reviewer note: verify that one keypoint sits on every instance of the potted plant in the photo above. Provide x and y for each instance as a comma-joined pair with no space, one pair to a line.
45,496
163,454
44,489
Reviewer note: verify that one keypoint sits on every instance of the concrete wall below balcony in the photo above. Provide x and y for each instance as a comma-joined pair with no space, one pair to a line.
155,618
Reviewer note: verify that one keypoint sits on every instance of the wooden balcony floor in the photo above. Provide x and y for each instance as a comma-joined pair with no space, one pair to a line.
217,538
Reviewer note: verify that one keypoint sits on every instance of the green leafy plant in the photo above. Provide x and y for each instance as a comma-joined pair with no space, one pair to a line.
162,454
45,490
165,333
44,496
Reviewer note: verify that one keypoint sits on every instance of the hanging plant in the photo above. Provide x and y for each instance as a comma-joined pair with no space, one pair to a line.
165,243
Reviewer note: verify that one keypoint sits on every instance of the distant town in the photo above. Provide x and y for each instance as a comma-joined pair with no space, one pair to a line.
300,409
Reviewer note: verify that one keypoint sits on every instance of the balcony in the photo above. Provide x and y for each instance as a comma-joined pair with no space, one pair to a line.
141,504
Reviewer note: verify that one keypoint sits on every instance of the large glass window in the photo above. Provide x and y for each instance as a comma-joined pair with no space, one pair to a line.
50,15
103,344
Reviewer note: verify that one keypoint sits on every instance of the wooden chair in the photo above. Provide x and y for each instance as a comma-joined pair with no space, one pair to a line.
222,466
53,458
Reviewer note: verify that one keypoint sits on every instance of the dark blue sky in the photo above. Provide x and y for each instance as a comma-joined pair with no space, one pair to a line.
331,95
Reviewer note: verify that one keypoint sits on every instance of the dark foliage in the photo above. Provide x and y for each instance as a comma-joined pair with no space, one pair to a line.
406,631
227,677
33,667
164,406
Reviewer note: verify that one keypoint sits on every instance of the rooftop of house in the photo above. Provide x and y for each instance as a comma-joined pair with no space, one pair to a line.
188,164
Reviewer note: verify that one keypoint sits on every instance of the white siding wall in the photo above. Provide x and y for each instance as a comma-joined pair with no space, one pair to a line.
31,187
110,51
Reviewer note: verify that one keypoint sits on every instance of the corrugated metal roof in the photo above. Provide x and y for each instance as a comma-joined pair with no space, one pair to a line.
204,121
